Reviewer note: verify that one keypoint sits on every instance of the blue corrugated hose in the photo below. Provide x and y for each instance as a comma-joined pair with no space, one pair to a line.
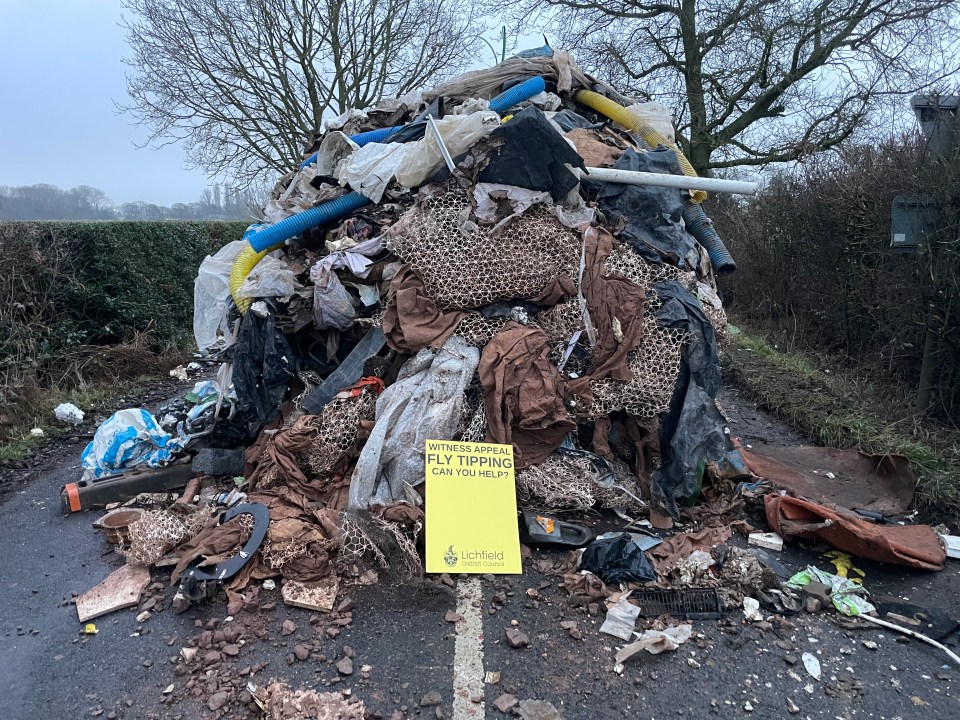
268,235
517,94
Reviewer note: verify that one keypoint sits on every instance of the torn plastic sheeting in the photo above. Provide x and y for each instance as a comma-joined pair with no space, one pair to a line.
656,116
530,153
126,439
211,297
916,546
617,560
271,277
263,364
371,168
485,195
355,258
657,641
334,150
423,404
651,216
692,432
881,483
332,304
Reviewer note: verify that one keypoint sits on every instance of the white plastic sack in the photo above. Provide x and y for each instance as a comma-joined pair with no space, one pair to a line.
271,277
657,116
371,168
332,304
126,439
211,297
68,413
423,404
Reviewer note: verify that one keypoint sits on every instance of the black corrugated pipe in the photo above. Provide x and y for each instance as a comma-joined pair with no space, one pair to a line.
701,227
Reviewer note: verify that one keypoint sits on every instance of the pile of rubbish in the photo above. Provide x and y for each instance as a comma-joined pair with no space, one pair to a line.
519,256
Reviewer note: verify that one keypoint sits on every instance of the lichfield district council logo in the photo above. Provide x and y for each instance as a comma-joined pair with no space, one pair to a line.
450,557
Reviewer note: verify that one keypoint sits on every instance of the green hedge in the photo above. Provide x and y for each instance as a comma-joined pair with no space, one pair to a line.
99,282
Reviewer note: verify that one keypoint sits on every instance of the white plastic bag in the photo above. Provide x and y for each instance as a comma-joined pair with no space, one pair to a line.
371,168
271,277
68,413
211,297
126,439
657,116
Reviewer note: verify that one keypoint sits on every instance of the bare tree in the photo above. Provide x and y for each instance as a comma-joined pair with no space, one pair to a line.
760,81
245,83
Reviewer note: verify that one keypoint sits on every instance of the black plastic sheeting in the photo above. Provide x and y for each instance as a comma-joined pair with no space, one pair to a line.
617,560
650,216
692,431
263,365
532,155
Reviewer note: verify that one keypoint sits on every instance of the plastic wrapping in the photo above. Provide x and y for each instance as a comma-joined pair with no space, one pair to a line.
617,560
371,168
270,277
211,297
656,116
693,431
424,403
651,216
126,439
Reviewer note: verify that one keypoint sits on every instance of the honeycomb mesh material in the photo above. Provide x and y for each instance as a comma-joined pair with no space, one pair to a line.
156,532
476,428
654,363
466,266
626,261
370,542
559,323
477,330
338,429
559,483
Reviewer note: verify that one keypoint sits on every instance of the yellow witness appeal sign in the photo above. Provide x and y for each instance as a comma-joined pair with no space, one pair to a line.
471,508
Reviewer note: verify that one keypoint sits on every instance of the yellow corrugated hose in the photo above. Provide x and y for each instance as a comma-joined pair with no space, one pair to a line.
244,264
650,135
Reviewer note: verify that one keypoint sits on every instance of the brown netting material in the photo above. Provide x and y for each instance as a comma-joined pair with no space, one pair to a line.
654,363
339,427
561,482
372,542
156,532
477,330
626,261
565,482
466,266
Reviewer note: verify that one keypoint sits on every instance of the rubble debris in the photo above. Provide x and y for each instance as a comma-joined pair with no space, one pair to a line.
811,665
506,702
916,546
538,710
318,596
121,589
771,541
279,702
517,638
657,641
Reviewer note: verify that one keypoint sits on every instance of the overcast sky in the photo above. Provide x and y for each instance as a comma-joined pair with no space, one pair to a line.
62,73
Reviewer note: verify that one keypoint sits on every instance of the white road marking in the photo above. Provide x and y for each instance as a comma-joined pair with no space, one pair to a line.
468,652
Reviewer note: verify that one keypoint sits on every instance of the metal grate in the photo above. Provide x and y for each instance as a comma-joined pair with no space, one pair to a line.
692,604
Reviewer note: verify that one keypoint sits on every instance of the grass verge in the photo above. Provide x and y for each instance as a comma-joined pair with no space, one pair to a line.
119,371
838,408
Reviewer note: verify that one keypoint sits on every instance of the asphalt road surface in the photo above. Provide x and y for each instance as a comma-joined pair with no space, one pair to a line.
408,660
